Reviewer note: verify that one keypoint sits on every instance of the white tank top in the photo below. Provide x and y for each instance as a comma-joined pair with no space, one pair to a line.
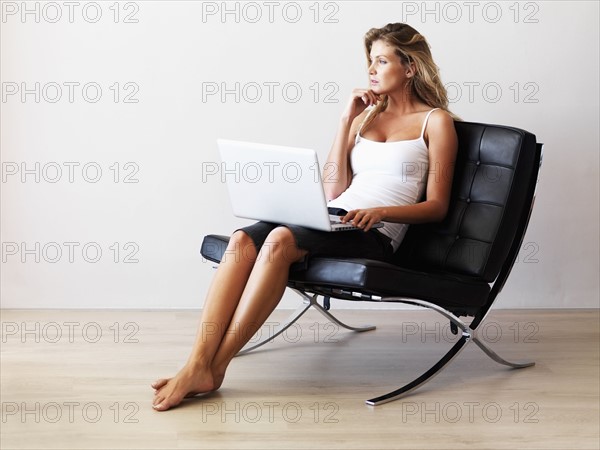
386,174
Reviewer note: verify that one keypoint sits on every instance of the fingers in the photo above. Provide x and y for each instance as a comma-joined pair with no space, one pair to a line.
349,216
367,96
367,226
360,99
363,221
370,98
360,218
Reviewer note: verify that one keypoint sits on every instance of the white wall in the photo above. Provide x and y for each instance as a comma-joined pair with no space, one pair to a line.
542,56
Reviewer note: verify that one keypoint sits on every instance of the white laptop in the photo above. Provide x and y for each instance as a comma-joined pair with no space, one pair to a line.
277,184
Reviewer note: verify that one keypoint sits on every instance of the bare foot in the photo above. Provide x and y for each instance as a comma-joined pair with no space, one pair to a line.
190,381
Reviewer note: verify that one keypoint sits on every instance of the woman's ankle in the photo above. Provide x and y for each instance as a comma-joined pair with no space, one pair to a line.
198,363
218,371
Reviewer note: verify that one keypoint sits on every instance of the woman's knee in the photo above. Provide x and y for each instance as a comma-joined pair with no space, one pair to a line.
241,246
281,244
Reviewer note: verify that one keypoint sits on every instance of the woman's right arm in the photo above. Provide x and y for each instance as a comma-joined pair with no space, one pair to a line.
337,171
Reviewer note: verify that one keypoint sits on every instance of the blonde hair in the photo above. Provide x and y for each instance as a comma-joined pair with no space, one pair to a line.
410,46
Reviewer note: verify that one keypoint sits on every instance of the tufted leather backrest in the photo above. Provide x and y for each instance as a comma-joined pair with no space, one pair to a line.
490,197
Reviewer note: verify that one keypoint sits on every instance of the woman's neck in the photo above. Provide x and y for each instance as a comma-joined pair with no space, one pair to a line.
402,104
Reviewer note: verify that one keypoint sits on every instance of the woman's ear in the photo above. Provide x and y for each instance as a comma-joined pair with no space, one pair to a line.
411,69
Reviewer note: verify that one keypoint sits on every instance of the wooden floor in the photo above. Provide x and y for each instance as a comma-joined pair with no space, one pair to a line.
80,379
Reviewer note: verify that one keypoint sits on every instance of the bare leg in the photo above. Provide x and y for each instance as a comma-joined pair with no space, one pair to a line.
221,301
212,353
263,292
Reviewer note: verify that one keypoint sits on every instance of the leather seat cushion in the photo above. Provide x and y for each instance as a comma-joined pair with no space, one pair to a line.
375,278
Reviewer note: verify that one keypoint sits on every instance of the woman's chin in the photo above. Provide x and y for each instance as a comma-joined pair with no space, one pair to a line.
378,91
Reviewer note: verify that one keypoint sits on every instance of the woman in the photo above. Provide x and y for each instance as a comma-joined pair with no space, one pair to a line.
395,143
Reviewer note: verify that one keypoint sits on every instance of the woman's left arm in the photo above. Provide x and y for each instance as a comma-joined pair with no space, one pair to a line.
443,145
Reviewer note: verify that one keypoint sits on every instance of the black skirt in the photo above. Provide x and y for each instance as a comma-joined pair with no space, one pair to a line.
353,243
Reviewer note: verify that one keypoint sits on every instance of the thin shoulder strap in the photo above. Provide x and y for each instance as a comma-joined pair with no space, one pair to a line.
426,119
356,138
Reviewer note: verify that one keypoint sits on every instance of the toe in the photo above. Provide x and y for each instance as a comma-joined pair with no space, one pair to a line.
159,383
164,405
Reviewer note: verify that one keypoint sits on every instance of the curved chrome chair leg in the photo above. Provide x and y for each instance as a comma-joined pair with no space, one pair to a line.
465,328
433,371
492,354
467,335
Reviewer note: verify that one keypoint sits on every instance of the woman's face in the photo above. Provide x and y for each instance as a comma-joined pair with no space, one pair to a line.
386,72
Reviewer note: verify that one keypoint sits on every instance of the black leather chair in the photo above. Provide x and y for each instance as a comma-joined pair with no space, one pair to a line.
456,267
